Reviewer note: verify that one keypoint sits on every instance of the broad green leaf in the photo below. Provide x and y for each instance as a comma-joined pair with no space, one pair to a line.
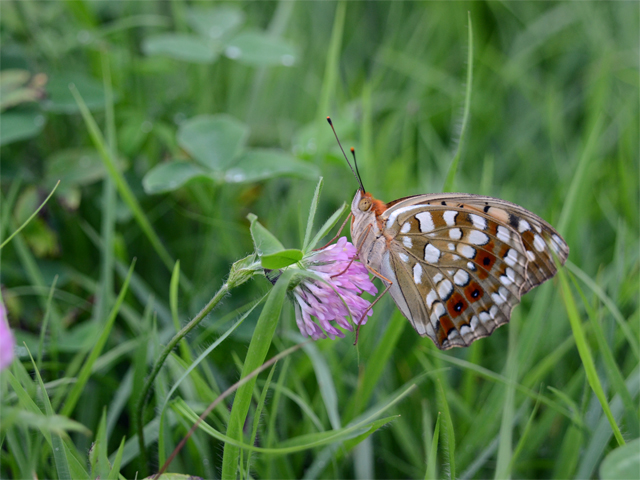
261,164
20,126
180,46
215,23
169,176
61,100
281,259
213,140
622,463
260,49
264,241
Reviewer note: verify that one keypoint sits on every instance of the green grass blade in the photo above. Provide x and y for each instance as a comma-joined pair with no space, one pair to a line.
57,445
432,461
173,305
522,442
312,215
373,370
76,391
114,474
258,414
505,448
304,442
613,371
449,183
31,217
326,384
448,432
585,353
45,322
328,225
604,298
258,348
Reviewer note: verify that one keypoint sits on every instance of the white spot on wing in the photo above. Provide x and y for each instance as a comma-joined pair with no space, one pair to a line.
431,254
437,277
556,243
426,222
511,257
523,226
511,274
438,309
497,298
531,255
450,217
465,330
451,246
407,241
505,280
404,257
431,297
453,333
466,250
417,273
504,293
477,237
474,322
392,217
406,227
484,317
471,266
461,278
430,331
503,234
479,222
444,289
455,234
493,311
538,242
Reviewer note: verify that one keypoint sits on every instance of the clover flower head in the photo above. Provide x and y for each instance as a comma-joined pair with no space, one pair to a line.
335,297
7,342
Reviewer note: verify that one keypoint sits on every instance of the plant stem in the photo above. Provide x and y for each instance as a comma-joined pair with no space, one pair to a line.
160,362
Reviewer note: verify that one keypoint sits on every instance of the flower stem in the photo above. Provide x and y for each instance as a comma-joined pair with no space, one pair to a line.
142,399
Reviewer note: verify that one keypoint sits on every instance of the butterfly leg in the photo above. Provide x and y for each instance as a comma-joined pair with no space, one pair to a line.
337,234
389,283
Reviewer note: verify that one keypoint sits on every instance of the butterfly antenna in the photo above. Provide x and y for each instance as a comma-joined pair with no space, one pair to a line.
353,152
345,155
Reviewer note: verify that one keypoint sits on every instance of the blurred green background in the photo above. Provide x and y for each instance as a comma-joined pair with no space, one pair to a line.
215,110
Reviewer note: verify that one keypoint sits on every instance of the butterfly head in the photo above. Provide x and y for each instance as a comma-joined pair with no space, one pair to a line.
364,203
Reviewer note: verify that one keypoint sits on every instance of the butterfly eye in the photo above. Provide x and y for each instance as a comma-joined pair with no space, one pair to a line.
364,205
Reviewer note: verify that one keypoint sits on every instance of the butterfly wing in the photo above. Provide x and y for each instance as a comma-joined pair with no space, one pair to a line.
462,262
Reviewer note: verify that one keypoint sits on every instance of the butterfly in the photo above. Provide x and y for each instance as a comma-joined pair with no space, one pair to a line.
455,263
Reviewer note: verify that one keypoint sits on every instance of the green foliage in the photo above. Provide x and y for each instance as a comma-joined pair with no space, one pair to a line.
167,123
